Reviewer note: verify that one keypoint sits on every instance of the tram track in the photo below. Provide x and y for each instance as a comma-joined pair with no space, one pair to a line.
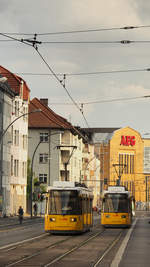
73,249
107,250
36,253
52,250
94,263
24,259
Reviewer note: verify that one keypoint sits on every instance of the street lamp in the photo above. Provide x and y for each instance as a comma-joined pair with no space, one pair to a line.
4,132
1,139
67,162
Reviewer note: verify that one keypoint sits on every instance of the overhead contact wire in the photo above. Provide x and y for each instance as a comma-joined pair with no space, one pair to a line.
35,47
85,30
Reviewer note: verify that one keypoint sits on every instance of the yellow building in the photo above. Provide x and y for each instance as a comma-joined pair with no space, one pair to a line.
122,162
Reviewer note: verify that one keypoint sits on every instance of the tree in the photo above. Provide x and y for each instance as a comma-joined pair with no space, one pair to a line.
28,178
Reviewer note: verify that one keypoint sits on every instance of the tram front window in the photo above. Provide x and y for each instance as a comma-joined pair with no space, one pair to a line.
64,202
115,203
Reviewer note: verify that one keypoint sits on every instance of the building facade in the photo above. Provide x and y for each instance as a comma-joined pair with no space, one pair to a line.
54,148
6,100
14,146
126,162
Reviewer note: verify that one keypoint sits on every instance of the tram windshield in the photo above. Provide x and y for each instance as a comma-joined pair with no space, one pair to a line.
64,202
116,203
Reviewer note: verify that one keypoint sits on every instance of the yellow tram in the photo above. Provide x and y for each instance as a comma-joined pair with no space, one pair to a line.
68,208
117,207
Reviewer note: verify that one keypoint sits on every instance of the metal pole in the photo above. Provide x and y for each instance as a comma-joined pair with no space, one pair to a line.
146,192
31,181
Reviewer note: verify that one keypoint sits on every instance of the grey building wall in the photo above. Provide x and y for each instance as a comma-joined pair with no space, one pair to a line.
51,168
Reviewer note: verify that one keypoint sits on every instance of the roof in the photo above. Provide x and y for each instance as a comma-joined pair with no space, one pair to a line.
99,135
47,118
100,130
4,87
15,82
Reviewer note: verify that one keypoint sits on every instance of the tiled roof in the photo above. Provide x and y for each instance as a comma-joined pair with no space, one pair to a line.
5,87
15,82
46,118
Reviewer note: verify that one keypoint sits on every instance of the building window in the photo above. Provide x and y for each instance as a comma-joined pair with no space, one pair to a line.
16,138
75,162
16,108
43,158
79,145
24,141
24,166
120,164
126,164
12,165
131,163
12,134
25,111
43,137
16,167
146,159
43,178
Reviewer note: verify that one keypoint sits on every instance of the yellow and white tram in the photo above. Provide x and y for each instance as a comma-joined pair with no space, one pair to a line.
68,208
117,207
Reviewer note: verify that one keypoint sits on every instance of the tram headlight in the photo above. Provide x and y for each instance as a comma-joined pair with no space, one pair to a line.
52,219
107,216
123,216
73,219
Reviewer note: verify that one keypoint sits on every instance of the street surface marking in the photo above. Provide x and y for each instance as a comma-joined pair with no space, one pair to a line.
117,259
21,242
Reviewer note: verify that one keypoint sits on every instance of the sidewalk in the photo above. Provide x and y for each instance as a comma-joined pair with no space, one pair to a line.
134,250
12,220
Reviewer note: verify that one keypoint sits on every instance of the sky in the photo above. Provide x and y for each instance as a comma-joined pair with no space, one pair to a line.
106,81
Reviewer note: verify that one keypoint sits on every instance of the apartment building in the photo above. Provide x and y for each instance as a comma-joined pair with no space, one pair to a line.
55,146
14,130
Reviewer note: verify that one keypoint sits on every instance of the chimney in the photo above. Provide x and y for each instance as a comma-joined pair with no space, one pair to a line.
44,101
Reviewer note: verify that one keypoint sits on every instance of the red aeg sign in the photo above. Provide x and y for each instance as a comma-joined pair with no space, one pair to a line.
127,140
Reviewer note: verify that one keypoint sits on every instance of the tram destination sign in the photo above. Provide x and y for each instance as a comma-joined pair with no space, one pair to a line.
116,189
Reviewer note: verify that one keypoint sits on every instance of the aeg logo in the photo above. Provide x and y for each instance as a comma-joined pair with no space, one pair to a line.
127,140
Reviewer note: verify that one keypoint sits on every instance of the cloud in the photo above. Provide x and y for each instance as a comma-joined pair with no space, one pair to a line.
46,16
